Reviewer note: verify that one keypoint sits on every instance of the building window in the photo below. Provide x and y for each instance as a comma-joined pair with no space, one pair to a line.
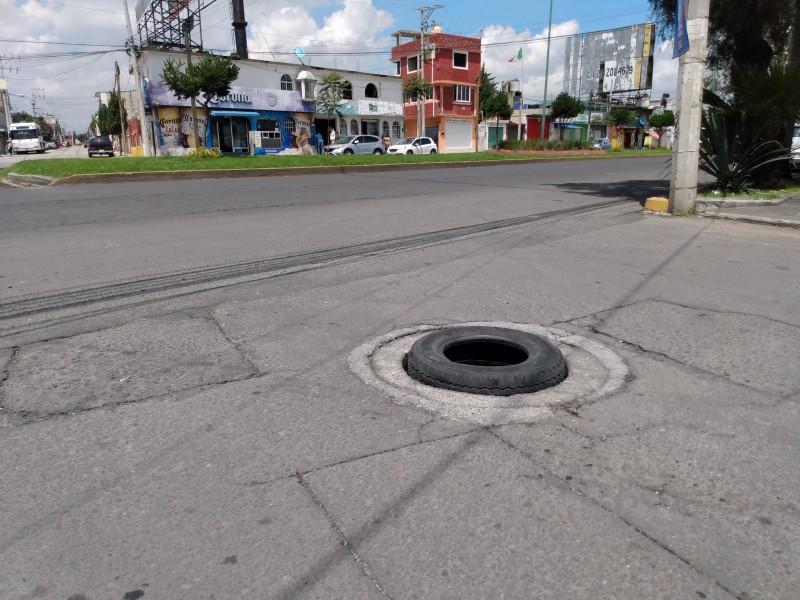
347,90
288,125
353,127
342,126
396,132
462,93
385,129
411,66
459,60
371,91
397,68
286,83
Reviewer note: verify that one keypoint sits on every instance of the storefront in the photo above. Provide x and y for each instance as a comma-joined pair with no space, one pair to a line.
246,121
370,117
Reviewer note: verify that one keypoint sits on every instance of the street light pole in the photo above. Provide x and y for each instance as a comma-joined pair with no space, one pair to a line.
547,69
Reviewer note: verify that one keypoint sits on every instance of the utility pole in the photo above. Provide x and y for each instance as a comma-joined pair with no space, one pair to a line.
425,13
686,151
187,27
133,50
34,91
120,108
547,69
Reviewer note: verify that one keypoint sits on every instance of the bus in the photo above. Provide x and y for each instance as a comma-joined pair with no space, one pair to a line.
26,137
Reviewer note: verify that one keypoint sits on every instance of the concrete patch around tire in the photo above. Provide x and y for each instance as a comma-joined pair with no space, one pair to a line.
594,371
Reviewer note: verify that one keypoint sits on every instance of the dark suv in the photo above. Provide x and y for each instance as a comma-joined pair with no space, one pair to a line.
100,145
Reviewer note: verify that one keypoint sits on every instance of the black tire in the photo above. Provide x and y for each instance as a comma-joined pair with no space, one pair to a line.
433,151
509,361
348,151
410,152
377,151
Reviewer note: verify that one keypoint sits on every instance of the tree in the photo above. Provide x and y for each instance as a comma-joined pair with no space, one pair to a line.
752,43
417,89
331,94
498,107
742,32
108,116
487,90
22,117
665,119
621,116
564,109
203,80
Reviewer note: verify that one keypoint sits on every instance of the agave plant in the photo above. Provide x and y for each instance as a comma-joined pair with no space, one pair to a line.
731,159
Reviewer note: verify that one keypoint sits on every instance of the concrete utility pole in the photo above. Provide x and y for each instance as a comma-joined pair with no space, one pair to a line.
144,126
188,25
547,70
686,151
425,13
120,108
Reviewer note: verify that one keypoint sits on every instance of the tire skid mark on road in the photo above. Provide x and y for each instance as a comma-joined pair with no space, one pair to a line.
202,279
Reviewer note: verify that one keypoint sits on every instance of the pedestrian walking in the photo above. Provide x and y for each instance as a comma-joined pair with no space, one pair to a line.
332,137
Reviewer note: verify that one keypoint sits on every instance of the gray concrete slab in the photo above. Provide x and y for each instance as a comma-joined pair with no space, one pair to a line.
248,433
125,364
739,347
424,518
185,535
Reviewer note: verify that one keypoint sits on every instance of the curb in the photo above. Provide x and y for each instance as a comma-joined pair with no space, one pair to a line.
33,180
16,180
755,220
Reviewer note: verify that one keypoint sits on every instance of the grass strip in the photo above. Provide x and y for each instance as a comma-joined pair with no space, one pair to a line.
65,167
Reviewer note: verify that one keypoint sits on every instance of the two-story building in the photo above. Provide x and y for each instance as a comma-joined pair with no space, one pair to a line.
452,64
268,106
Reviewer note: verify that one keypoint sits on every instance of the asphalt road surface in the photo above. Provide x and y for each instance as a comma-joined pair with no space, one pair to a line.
181,417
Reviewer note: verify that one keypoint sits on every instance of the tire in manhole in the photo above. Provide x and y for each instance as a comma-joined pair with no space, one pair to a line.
493,361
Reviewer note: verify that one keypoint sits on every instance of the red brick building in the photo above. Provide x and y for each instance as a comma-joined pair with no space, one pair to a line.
452,64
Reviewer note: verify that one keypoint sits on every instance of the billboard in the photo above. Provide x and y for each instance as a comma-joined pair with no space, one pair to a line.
611,61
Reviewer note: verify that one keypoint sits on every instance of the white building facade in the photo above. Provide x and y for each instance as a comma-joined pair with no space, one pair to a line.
269,108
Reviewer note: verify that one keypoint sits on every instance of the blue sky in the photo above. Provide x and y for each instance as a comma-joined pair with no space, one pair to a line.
84,38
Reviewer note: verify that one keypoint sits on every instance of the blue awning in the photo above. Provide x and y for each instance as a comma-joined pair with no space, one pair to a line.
565,126
233,113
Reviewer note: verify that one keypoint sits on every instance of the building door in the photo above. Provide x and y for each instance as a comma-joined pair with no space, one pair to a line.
459,134
229,134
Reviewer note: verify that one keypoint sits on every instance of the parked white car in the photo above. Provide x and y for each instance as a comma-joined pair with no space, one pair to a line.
412,145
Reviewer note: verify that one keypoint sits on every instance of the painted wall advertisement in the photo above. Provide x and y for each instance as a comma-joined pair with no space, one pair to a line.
176,129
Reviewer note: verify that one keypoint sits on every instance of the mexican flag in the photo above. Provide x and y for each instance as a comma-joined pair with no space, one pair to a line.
517,57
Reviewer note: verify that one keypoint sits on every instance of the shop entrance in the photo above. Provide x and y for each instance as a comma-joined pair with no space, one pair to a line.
229,135
370,127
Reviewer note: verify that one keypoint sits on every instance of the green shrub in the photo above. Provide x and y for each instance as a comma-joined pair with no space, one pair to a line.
203,153
543,145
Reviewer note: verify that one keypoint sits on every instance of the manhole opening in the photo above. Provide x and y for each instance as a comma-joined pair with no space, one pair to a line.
487,353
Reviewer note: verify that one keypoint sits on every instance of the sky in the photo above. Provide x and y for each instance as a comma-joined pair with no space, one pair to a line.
58,53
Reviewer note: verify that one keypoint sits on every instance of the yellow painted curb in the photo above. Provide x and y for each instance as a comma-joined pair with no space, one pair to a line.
656,204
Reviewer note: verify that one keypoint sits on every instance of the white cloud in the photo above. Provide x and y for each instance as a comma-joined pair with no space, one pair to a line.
320,27
534,51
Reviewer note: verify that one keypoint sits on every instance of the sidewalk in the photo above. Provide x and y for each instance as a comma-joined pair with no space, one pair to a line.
784,213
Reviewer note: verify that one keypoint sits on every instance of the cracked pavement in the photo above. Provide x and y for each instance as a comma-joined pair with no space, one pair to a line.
222,447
